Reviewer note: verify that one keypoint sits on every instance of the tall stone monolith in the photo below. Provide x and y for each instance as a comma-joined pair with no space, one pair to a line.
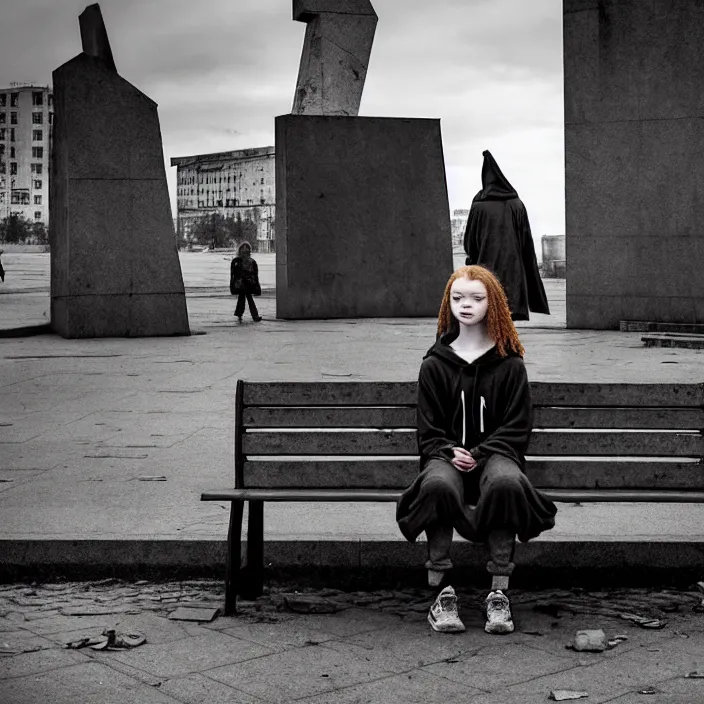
115,270
634,161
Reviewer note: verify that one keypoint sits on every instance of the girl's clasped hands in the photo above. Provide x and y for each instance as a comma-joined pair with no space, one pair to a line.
463,460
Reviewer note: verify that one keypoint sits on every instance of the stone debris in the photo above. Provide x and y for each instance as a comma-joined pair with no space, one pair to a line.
194,613
643,621
700,607
302,604
561,695
109,640
591,641
613,642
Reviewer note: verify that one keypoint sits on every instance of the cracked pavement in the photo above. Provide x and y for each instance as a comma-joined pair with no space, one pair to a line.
376,646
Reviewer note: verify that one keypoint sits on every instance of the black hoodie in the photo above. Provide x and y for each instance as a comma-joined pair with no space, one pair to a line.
484,406
498,237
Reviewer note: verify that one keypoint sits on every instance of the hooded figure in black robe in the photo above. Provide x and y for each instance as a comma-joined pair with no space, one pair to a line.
498,237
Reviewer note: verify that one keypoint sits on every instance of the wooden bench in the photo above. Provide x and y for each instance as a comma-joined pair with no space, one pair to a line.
356,441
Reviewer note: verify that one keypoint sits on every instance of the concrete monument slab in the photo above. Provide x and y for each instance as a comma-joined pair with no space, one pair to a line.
634,173
115,270
335,57
363,221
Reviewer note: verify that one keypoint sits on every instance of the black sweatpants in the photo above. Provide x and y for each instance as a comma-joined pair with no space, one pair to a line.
239,308
508,506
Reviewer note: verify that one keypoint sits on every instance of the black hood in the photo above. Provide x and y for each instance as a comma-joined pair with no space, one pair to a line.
442,349
495,186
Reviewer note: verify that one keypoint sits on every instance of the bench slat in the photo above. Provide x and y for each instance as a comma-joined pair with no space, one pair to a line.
566,495
648,443
620,418
373,393
405,417
399,473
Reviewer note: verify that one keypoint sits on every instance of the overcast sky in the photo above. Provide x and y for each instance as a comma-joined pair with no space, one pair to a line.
221,70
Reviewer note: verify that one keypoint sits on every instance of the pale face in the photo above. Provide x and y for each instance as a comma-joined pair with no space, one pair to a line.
468,301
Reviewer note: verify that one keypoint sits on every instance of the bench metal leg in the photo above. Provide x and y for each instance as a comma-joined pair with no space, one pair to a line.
234,557
254,582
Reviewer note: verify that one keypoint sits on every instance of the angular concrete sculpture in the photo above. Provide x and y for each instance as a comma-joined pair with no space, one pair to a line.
362,214
336,50
634,162
115,270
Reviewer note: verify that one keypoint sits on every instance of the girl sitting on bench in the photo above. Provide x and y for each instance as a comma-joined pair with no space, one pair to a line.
474,422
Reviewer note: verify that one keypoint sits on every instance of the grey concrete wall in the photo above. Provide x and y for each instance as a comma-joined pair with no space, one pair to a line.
114,262
634,161
362,217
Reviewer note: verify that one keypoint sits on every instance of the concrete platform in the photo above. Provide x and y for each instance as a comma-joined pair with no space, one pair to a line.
87,425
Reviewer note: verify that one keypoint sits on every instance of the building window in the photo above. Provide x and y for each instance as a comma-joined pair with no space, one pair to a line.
37,98
12,134
19,197
14,99
37,118
3,169
3,118
37,200
262,182
36,169
13,118
13,168
2,134
3,100
37,152
51,99
37,135
51,118
38,183
37,214
12,152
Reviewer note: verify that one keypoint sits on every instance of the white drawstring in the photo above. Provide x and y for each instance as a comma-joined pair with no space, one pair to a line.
464,419
482,406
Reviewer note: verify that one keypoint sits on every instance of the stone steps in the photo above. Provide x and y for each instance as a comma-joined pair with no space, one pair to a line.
682,341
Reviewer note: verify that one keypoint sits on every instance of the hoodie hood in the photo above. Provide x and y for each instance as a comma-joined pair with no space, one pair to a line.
495,186
242,246
442,349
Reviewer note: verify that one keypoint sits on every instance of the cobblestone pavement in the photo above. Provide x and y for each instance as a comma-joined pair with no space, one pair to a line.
372,647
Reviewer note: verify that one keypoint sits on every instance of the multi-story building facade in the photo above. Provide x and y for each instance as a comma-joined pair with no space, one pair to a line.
26,116
458,224
237,183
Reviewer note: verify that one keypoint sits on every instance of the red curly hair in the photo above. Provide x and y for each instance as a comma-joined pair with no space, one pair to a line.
499,325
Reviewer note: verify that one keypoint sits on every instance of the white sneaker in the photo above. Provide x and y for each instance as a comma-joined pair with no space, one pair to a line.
443,615
498,613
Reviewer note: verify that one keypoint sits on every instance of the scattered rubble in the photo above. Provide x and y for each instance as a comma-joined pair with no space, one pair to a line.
591,641
109,640
561,695
194,613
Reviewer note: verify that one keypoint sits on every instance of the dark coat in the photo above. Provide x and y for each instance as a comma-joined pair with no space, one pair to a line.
243,280
498,237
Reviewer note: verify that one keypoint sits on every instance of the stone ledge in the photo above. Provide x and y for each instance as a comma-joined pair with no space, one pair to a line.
375,563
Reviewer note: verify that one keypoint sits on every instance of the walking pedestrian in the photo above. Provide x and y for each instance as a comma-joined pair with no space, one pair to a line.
498,237
474,420
2,271
244,281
